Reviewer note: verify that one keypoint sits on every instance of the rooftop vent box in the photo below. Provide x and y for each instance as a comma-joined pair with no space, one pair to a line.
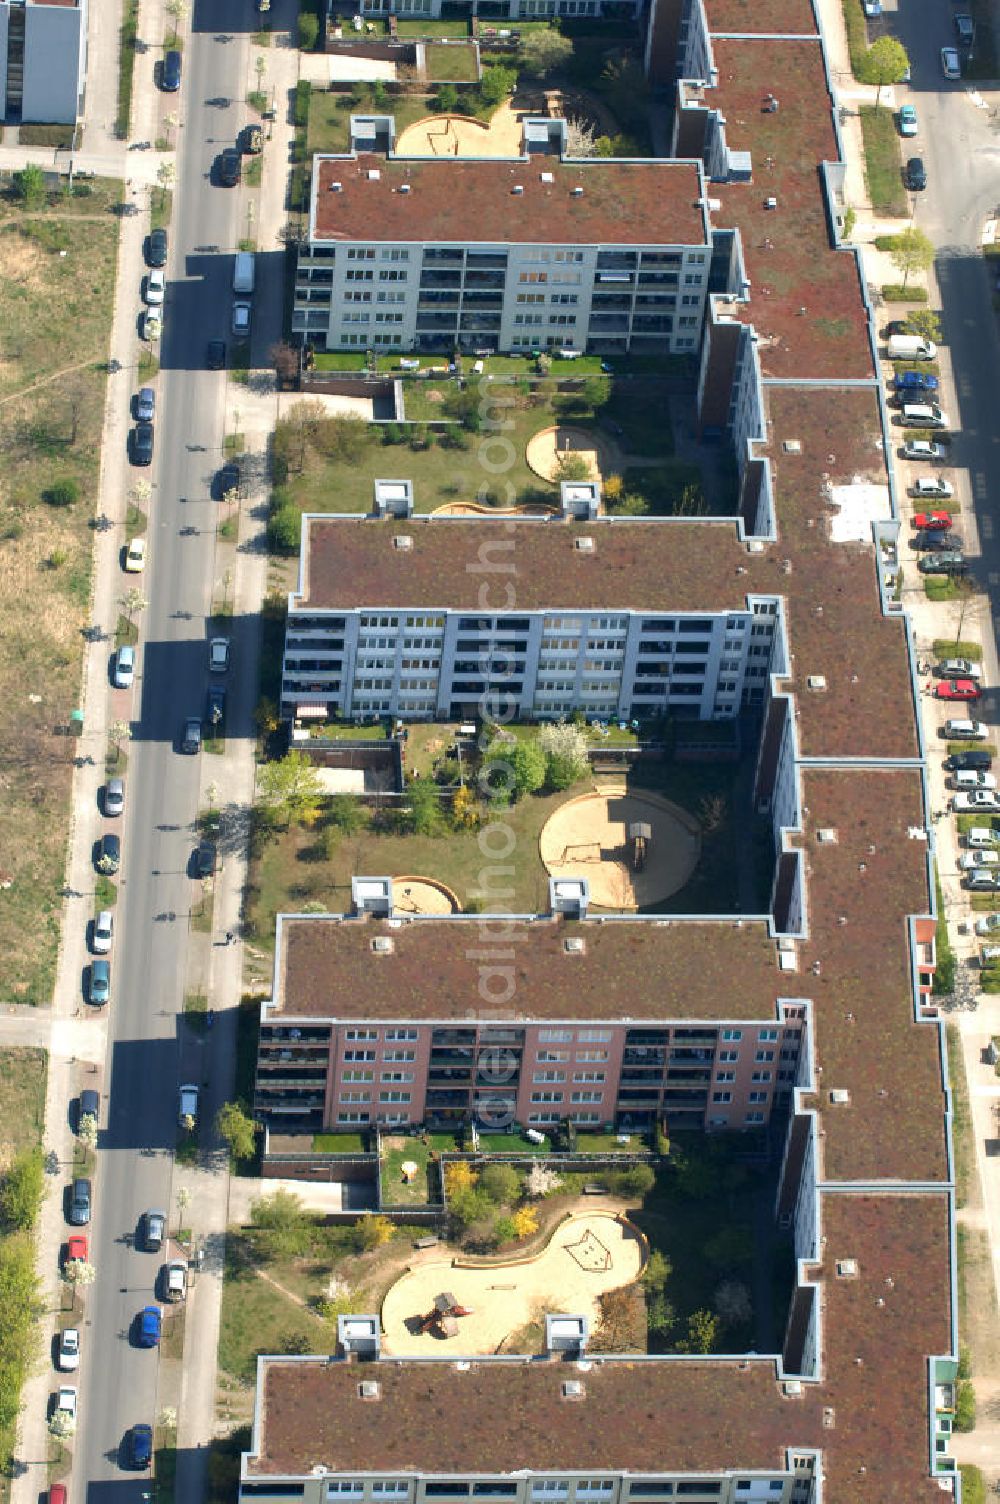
404,187
382,945
792,446
584,545
816,681
575,947
547,177
787,961
847,1268
827,836
517,188
573,1389
577,192
373,174
336,187
370,1389
404,543
792,1387
840,1097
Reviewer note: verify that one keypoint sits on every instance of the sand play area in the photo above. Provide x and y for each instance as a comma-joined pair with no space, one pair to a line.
462,136
588,837
586,1256
422,895
550,445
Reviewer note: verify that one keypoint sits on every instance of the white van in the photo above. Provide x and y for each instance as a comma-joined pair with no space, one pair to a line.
964,731
980,838
911,347
243,273
968,778
923,415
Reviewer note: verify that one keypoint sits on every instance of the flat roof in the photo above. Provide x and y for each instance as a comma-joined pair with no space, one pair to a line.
666,1415
462,201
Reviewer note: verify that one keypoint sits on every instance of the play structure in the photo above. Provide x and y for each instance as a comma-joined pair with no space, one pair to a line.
633,849
443,1317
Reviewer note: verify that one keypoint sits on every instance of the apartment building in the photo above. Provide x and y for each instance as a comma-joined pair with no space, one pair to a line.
493,11
536,252
43,60
387,620
339,1047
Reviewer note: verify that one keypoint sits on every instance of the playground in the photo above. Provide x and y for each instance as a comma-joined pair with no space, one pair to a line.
634,849
548,448
422,895
439,1304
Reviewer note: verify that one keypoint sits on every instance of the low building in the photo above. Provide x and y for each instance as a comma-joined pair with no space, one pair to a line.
43,60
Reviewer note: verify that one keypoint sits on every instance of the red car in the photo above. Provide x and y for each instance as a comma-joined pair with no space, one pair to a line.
76,1248
957,689
932,521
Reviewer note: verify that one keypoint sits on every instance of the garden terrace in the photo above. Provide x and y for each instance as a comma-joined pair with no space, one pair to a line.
622,203
790,261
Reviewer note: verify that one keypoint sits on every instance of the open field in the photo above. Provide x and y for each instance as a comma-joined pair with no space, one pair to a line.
57,269
882,161
22,1100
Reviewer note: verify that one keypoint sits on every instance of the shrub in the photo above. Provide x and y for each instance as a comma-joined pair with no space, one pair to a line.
62,493
23,1189
501,1182
372,1232
635,1181
447,99
496,83
525,1222
284,528
471,1205
303,92
505,1230
965,1406
308,31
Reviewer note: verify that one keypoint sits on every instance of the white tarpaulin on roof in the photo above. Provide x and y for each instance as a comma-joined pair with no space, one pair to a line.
859,503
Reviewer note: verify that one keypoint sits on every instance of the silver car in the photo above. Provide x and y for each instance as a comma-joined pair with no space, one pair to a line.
104,926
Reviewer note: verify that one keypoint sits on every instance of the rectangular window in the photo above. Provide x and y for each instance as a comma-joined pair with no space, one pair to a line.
345,1488
359,1054
553,1036
394,1096
398,1034
364,1034
546,1096
766,1036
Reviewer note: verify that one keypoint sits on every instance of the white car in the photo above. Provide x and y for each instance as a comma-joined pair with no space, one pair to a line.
104,927
241,320
873,9
218,655
155,287
958,668
924,449
988,924
135,557
69,1349
152,324
978,799
932,488
187,1104
66,1403
969,860
951,66
124,667
175,1281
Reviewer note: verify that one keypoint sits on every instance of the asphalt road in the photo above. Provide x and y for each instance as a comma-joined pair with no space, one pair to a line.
149,1054
960,144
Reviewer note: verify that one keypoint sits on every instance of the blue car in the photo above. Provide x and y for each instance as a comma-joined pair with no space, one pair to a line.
150,1326
915,381
140,1445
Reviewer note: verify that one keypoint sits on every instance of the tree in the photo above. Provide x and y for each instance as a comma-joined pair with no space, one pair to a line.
631,505
166,175
542,1181
237,1129
345,813
62,1424
471,1205
284,1223
424,817
660,1314
291,787
464,809
703,1332
62,493
965,1406
119,732
23,1189
657,1271
626,91
458,1176
372,1232
79,1273
284,358
308,30
504,1230
447,99
580,139
885,62
525,1221
614,489
636,1181
571,466
29,185
131,603
565,747
527,765
729,1247
86,1131
733,1303
501,1182
542,52
284,529
912,250
926,323
496,83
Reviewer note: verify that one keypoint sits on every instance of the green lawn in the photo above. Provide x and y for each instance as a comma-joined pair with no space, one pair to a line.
396,1191
882,161
22,1098
330,114
431,29
450,64
339,1143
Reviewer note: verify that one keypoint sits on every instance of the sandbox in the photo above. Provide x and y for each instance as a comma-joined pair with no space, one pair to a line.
549,446
422,895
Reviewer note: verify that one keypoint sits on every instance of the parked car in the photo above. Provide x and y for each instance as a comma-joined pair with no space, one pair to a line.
77,1251
873,9
915,381
230,167
152,323
215,355
156,248
174,1281
983,880
124,672
907,120
205,859
969,861
977,800
929,541
951,65
109,853
150,1326
154,1227
66,1405
932,487
156,287
145,404
172,72
88,1106
947,563
140,1445
79,1202
915,175
924,449
957,689
142,444
135,556
241,320
932,521
187,1102
69,1349
975,757
114,797
965,30
972,778
988,924
963,730
104,926
958,668
215,708
252,140
218,655
100,983
191,736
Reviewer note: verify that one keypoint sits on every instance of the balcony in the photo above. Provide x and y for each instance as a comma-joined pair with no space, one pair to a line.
431,322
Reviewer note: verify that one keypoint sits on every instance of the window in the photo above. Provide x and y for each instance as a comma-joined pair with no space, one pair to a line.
401,1055
594,1486
583,1056
355,1096
593,1036
394,1096
358,276
729,1055
353,1117
549,1488
725,1076
552,1036
555,1056
757,1096
588,1075
357,1076
754,1117
400,1076
345,1488
546,1096
761,1076
389,1488
275,1490
495,1490
732,1033
587,1096
397,1034
764,1055
549,1076
361,1034
446,1490
765,1036
359,1054
722,1096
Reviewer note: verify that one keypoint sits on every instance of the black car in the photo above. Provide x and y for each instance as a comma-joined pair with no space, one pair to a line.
215,355
172,72
140,1445
951,562
89,1106
79,1203
216,708
142,444
191,735
895,326
205,859
226,482
230,167
915,175
936,542
156,248
109,853
976,760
